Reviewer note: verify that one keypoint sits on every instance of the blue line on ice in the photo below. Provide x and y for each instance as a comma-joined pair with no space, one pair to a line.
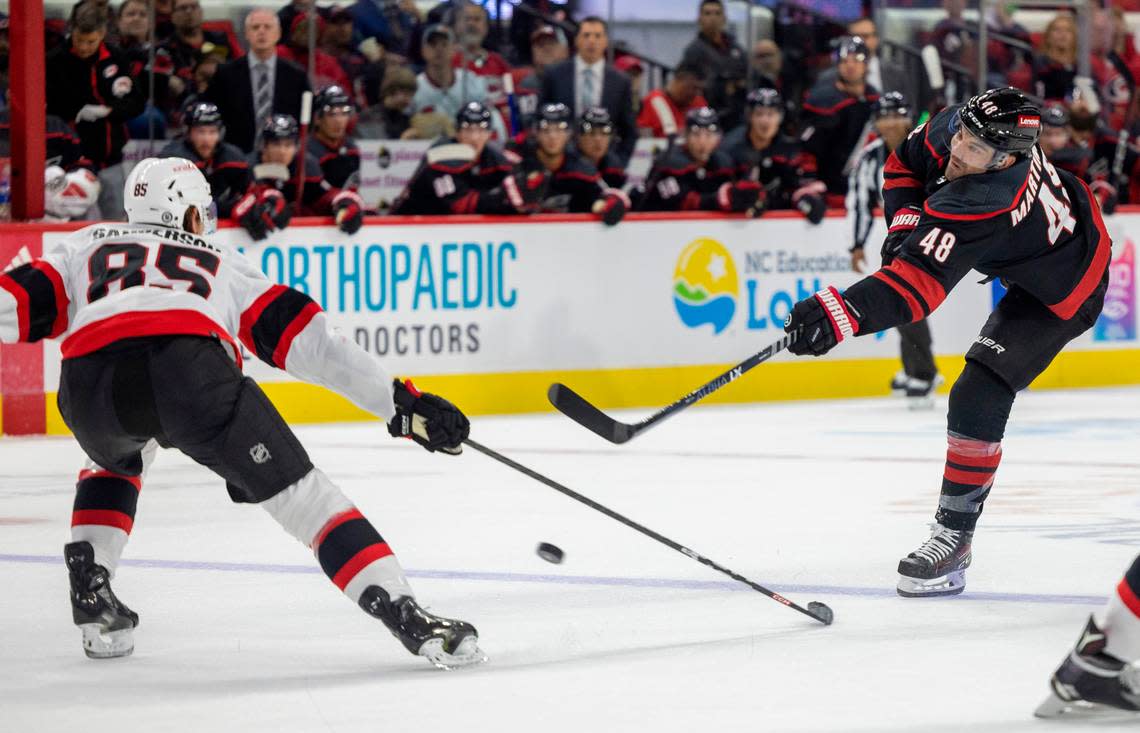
722,585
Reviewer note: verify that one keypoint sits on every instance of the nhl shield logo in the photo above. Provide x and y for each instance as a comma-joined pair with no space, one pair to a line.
259,453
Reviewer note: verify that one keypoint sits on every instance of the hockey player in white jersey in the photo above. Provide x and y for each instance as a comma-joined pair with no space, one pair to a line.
150,313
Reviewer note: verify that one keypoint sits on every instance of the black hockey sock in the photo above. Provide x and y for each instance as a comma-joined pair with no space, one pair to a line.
979,404
104,513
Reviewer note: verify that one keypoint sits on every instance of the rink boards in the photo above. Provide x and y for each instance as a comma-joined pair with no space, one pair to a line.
490,311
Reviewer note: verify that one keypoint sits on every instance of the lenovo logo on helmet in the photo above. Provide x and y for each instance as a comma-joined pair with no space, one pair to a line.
1028,121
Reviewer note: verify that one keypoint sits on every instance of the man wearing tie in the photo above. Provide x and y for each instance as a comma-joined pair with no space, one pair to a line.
250,89
587,81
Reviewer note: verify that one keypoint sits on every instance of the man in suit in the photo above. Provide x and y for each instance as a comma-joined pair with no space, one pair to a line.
587,81
886,76
249,90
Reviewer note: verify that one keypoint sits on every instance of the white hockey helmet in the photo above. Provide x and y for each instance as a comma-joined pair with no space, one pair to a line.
161,190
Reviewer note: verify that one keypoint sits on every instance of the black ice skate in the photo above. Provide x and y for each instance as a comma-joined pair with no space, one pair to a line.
107,624
938,567
446,643
920,392
898,382
1092,682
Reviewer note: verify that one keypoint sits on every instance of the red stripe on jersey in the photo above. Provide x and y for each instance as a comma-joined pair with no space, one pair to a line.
359,561
135,481
916,313
691,201
933,152
889,183
930,289
104,517
587,177
23,317
295,327
61,301
895,165
466,203
250,315
138,324
335,521
827,111
1128,596
969,478
1089,281
231,164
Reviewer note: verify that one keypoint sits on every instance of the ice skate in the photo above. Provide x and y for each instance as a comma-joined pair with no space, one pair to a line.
107,624
446,643
1091,682
898,382
938,567
920,392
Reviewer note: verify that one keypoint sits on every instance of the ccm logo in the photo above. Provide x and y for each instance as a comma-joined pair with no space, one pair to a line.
1028,121
984,341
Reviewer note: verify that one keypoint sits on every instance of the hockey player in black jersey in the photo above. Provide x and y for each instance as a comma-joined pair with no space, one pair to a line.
837,114
336,152
893,120
467,174
760,152
692,175
225,166
594,141
576,186
971,189
271,202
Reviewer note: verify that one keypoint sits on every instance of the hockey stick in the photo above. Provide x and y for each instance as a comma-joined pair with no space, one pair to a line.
575,407
818,611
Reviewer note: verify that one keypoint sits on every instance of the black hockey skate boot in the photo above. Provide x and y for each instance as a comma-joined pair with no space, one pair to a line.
898,382
446,643
106,623
920,392
938,567
1092,682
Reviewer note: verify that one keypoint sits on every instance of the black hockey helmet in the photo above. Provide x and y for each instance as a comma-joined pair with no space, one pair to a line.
595,119
280,127
852,46
702,118
332,97
553,115
473,114
1004,118
1055,115
764,97
892,103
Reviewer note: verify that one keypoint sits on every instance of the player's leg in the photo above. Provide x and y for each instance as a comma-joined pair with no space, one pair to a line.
1099,672
1020,339
915,344
224,421
100,410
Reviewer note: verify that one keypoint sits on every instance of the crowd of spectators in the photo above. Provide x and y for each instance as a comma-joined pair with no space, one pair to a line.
113,74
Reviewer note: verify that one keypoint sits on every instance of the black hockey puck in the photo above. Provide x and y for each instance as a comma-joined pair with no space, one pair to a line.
550,553
821,612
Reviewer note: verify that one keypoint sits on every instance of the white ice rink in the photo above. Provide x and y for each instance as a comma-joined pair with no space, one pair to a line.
241,632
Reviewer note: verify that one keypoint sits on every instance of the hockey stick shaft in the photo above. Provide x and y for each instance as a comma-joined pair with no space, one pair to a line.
824,614
579,410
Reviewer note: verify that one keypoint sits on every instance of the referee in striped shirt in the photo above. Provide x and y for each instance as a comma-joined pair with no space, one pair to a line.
893,120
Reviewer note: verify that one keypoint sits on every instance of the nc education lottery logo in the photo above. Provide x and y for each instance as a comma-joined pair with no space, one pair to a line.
705,285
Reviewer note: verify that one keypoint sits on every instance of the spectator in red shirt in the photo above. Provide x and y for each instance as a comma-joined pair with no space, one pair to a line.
326,70
663,110
631,67
471,26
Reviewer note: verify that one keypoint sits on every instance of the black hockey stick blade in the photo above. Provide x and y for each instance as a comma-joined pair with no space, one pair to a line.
574,406
816,610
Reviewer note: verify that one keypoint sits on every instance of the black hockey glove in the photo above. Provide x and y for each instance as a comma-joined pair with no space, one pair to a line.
905,221
275,207
1106,196
822,321
348,209
252,216
525,190
808,199
428,419
612,207
739,196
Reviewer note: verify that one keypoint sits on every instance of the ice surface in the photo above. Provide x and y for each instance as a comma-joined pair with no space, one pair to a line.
818,501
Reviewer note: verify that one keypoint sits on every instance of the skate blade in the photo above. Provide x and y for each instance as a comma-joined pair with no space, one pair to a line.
950,584
1054,708
467,654
98,644
918,404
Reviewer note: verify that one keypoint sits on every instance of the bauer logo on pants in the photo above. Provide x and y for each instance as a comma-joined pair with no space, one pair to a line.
259,453
705,285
